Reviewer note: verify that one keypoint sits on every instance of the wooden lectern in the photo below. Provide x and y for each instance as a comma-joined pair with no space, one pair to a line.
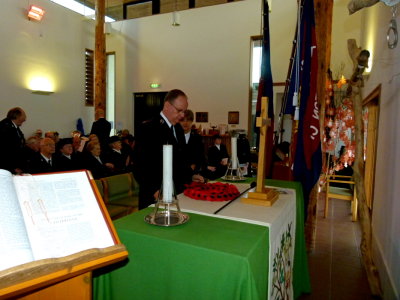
262,196
67,277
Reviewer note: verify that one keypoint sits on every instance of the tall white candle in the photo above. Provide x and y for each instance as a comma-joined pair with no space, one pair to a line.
234,153
168,185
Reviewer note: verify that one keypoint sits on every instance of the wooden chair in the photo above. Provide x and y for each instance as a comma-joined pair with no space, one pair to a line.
343,193
121,194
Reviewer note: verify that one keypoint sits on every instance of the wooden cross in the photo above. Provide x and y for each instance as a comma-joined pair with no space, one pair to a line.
262,196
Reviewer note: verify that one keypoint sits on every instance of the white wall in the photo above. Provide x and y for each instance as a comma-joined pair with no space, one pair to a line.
386,211
208,56
53,48
344,27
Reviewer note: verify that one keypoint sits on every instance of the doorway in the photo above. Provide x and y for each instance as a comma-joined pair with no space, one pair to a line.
371,122
146,106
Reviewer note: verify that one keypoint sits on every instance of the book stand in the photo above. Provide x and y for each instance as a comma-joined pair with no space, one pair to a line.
66,277
262,196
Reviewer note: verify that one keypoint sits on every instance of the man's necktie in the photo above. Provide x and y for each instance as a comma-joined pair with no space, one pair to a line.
173,131
49,162
20,135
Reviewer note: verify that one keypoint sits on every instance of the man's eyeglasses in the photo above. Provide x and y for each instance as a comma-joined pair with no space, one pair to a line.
179,111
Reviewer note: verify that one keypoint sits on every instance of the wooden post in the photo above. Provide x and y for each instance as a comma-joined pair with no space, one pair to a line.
360,61
262,195
100,59
323,30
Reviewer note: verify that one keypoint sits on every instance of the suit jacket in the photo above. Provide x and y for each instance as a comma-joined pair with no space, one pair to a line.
98,170
118,160
39,165
150,139
102,129
64,163
215,156
28,154
11,156
194,152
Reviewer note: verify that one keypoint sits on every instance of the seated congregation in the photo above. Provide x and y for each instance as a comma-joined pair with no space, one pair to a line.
113,161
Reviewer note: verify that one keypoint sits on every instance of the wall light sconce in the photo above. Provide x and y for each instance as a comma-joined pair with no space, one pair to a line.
41,86
155,85
35,13
37,92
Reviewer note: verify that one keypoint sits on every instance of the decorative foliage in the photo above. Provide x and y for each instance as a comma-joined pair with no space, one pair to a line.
339,125
282,267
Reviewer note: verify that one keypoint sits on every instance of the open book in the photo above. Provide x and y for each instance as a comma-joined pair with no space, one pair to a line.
48,216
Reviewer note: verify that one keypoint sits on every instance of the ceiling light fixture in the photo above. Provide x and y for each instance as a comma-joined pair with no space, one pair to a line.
35,13
176,20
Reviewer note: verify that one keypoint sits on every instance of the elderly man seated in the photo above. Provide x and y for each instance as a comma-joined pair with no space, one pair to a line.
66,159
43,161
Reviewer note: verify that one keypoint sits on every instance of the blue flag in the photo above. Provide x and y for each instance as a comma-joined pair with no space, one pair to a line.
308,156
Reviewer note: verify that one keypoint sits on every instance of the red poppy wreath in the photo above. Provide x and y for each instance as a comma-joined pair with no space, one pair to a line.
217,191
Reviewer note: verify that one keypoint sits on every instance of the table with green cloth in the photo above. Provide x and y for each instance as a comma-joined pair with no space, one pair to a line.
209,257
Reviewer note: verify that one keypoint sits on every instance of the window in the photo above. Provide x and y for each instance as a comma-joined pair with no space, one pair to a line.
110,90
255,72
89,77
110,84
79,8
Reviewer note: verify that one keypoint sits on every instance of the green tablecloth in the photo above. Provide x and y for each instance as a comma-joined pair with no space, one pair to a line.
206,258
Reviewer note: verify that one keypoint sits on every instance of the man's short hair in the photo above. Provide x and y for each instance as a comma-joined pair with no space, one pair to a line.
189,115
216,136
32,140
90,146
14,113
173,94
45,141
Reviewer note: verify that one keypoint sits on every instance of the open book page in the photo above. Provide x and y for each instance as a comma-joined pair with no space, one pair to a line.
61,214
14,243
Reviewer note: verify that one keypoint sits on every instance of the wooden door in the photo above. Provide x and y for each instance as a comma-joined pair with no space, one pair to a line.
371,121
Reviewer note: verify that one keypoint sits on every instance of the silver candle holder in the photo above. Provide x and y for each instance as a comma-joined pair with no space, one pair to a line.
166,211
233,172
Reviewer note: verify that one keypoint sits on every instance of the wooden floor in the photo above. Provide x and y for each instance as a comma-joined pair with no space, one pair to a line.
335,263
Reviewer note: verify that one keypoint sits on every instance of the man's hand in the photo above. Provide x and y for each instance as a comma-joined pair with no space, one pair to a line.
224,161
198,178
109,165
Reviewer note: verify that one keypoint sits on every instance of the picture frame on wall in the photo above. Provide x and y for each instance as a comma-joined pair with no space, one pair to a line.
233,117
201,117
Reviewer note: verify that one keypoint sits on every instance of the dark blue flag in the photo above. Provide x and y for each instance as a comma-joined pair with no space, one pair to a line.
308,157
265,88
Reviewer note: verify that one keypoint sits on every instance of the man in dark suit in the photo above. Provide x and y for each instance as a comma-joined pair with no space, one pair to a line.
66,159
117,155
150,138
217,159
43,162
102,129
11,156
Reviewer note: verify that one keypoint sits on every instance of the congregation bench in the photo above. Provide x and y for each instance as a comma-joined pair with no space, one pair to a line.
120,194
